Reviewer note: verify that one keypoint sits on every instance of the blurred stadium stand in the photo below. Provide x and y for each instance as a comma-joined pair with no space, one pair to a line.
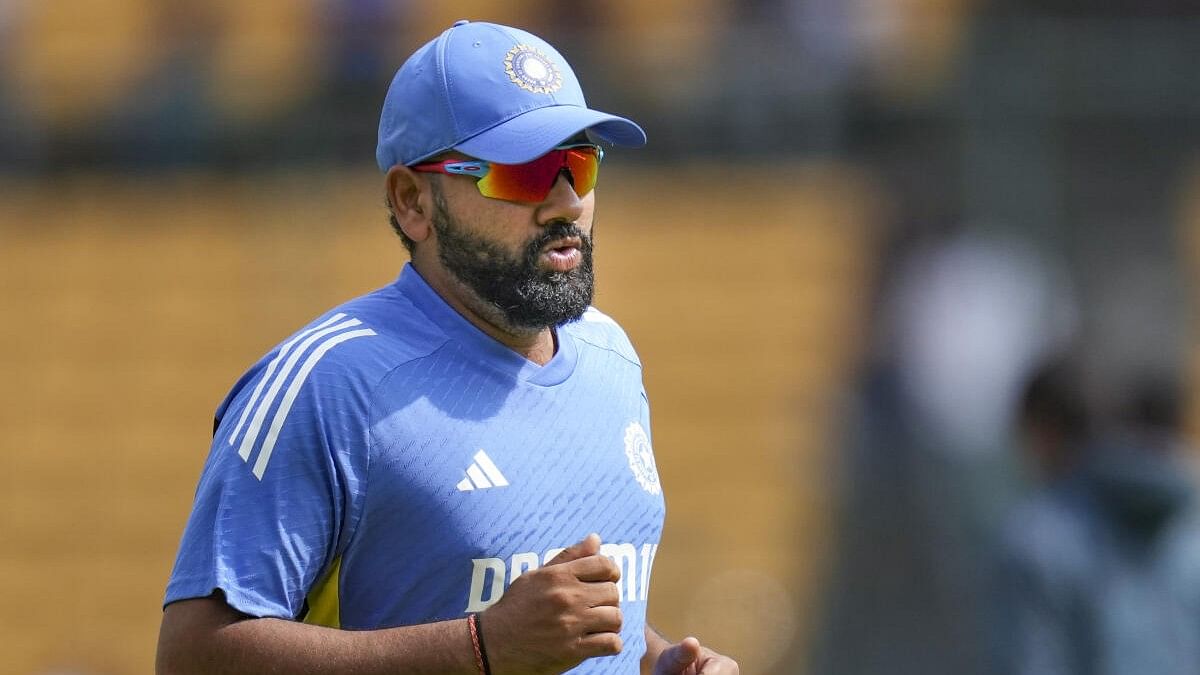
150,298
182,182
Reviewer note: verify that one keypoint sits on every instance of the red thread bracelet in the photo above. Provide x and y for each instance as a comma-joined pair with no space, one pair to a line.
475,642
483,657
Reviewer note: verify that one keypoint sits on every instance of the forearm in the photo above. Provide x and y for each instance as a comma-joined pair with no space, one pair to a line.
218,642
655,644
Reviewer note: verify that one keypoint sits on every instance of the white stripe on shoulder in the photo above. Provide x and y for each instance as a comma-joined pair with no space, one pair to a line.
283,351
260,413
293,390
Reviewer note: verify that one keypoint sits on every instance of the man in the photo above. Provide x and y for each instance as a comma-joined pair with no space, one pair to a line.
1097,571
420,480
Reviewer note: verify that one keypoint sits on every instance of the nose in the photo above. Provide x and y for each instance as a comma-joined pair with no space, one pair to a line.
561,203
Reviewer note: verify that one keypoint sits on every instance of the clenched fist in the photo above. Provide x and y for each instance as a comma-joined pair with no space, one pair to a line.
552,618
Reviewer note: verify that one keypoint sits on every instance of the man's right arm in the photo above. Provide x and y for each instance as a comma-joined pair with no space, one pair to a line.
206,635
548,621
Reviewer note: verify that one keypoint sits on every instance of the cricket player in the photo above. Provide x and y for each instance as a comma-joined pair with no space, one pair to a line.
454,473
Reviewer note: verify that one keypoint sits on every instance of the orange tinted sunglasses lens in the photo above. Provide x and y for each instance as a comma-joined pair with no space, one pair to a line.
532,181
584,164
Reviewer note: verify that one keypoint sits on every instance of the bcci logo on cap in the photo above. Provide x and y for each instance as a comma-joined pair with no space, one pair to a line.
532,70
641,458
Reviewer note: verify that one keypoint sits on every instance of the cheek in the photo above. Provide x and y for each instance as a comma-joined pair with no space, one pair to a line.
588,214
502,223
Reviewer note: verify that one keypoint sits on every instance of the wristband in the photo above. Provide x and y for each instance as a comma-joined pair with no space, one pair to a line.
481,659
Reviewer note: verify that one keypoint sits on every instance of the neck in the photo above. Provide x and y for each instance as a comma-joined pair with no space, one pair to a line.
536,344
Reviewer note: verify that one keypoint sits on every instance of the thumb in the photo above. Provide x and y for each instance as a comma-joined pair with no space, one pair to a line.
676,658
589,545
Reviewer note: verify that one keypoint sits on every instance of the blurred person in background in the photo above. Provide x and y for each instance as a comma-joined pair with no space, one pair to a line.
419,481
1099,569
18,136
963,314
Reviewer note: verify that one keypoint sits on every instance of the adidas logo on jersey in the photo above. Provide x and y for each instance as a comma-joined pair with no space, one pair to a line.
482,474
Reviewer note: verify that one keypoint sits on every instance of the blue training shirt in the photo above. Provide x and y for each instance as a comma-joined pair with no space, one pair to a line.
390,464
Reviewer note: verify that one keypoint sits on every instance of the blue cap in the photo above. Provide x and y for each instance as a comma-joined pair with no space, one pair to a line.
491,92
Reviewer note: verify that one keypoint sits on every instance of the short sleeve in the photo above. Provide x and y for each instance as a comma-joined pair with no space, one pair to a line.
281,489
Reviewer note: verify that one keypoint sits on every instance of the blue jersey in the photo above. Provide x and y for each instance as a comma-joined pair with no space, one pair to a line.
391,464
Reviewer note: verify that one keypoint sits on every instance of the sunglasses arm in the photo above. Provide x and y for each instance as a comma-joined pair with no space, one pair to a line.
476,168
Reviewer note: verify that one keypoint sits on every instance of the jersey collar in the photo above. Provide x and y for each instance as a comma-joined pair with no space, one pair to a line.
413,286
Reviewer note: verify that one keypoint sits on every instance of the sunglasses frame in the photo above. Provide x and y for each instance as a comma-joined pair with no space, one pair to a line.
479,168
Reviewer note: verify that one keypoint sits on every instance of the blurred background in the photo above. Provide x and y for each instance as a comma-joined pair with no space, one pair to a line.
858,229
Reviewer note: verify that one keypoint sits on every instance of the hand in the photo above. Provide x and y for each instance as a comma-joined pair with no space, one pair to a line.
554,617
687,657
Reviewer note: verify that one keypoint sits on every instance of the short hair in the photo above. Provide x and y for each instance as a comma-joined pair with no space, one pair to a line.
1152,400
1054,398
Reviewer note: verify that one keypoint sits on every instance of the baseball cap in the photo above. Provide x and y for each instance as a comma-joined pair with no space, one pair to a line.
492,92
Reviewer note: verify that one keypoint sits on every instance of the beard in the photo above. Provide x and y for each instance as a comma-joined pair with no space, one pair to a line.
527,296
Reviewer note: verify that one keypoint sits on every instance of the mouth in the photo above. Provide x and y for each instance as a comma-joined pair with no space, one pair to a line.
562,255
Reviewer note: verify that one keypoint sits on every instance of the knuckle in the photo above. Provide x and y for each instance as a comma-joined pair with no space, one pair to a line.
559,597
565,624
614,571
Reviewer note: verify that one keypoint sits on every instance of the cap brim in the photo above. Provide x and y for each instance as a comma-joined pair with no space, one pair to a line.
530,135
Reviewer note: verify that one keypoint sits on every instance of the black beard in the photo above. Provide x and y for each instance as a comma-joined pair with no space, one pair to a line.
524,294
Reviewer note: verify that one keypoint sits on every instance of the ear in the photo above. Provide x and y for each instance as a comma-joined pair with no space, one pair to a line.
411,200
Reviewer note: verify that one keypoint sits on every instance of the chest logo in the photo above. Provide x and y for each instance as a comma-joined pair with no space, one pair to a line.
641,458
481,475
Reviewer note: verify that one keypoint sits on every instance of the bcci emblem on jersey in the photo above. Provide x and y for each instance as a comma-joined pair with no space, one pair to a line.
641,458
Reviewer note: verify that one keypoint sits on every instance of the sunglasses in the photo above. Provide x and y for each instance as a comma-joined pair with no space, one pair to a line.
531,181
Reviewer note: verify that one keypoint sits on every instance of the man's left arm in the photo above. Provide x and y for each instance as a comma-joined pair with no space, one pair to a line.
686,657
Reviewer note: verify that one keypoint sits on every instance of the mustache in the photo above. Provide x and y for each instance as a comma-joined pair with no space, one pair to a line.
557,230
